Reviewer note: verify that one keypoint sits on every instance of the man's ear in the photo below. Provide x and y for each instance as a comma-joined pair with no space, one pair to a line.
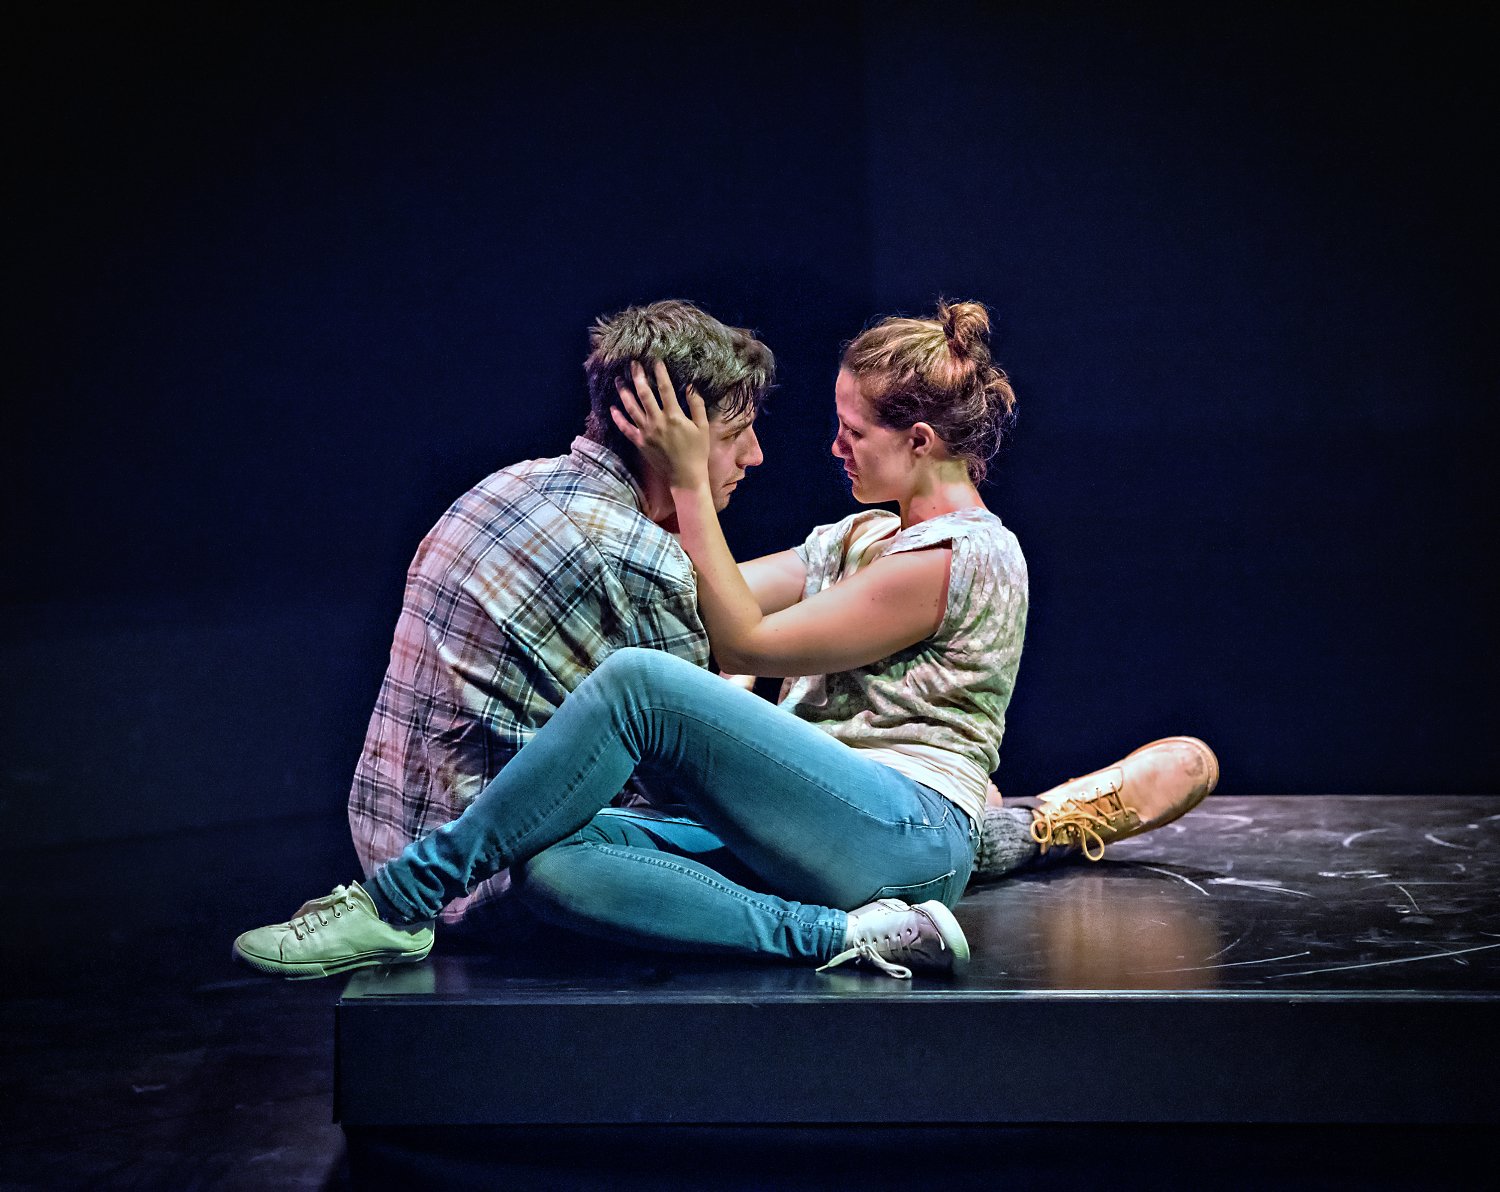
923,438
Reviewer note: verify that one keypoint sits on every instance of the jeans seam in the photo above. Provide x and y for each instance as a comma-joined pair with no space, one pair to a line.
903,889
823,939
632,814
709,724
666,863
939,831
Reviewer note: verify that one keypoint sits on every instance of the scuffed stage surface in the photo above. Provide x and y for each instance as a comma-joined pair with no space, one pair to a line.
1304,959
1336,895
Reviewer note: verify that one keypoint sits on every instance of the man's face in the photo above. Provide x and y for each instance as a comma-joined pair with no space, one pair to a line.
732,449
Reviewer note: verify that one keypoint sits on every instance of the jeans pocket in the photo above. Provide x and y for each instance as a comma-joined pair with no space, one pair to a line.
937,888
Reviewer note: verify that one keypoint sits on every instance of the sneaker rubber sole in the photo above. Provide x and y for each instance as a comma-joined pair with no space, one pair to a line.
952,933
310,970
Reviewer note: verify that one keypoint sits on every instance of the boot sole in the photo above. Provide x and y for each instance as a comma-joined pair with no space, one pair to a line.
309,970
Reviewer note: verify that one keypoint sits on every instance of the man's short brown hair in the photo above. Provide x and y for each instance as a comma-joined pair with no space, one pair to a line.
728,366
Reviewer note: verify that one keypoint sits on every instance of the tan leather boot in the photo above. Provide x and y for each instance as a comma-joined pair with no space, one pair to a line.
1148,787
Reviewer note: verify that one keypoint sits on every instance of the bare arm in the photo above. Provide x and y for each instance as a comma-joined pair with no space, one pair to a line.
775,580
893,603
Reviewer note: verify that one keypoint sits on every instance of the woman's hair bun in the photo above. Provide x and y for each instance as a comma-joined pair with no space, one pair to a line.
937,371
966,325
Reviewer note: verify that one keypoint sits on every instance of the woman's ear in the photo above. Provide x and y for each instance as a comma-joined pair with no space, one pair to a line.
923,438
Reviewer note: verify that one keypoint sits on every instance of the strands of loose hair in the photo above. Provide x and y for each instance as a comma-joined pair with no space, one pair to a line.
939,371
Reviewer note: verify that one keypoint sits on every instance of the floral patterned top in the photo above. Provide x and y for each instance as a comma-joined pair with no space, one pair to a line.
934,711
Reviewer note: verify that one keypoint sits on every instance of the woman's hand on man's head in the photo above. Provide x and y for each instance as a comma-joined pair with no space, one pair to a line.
674,441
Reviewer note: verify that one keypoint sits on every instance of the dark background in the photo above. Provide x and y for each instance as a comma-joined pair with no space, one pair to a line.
284,281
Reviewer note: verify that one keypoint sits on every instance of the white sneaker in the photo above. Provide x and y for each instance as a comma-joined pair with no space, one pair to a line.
925,936
333,934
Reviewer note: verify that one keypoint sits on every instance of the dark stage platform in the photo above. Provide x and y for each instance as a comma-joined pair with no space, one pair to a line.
1286,960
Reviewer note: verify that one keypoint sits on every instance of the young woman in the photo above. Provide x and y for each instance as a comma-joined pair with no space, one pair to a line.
837,826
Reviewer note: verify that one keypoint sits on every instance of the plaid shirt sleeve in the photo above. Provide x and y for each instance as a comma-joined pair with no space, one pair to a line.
525,585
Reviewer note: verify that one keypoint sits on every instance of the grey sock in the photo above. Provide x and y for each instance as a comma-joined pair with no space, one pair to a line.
1005,843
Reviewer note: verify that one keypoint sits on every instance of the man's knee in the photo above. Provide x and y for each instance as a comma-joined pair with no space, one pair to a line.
636,665
638,679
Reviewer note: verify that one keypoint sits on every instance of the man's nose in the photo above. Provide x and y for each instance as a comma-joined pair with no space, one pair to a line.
751,456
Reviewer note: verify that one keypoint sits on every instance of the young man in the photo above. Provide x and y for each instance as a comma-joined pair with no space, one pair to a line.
535,576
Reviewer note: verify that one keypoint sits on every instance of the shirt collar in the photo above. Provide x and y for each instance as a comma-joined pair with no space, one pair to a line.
595,457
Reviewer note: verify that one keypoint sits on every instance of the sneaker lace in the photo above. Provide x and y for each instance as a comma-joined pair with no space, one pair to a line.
882,951
1080,821
317,913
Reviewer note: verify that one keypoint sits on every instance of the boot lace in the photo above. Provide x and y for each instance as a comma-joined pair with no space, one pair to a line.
1082,821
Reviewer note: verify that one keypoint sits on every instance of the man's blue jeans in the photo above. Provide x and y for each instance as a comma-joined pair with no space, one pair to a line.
788,828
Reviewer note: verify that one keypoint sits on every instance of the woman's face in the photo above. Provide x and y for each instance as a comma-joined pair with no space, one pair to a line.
877,459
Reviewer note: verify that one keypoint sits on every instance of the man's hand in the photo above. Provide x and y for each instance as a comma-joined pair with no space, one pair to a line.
674,443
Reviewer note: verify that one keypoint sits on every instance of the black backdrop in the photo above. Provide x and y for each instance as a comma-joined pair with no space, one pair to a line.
286,280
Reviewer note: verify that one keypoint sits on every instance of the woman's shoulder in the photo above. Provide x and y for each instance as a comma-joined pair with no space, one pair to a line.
977,527
987,578
859,527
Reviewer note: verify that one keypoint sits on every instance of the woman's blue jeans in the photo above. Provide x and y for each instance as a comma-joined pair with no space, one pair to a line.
786,828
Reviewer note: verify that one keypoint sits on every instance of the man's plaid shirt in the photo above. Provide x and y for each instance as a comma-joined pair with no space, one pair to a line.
529,581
